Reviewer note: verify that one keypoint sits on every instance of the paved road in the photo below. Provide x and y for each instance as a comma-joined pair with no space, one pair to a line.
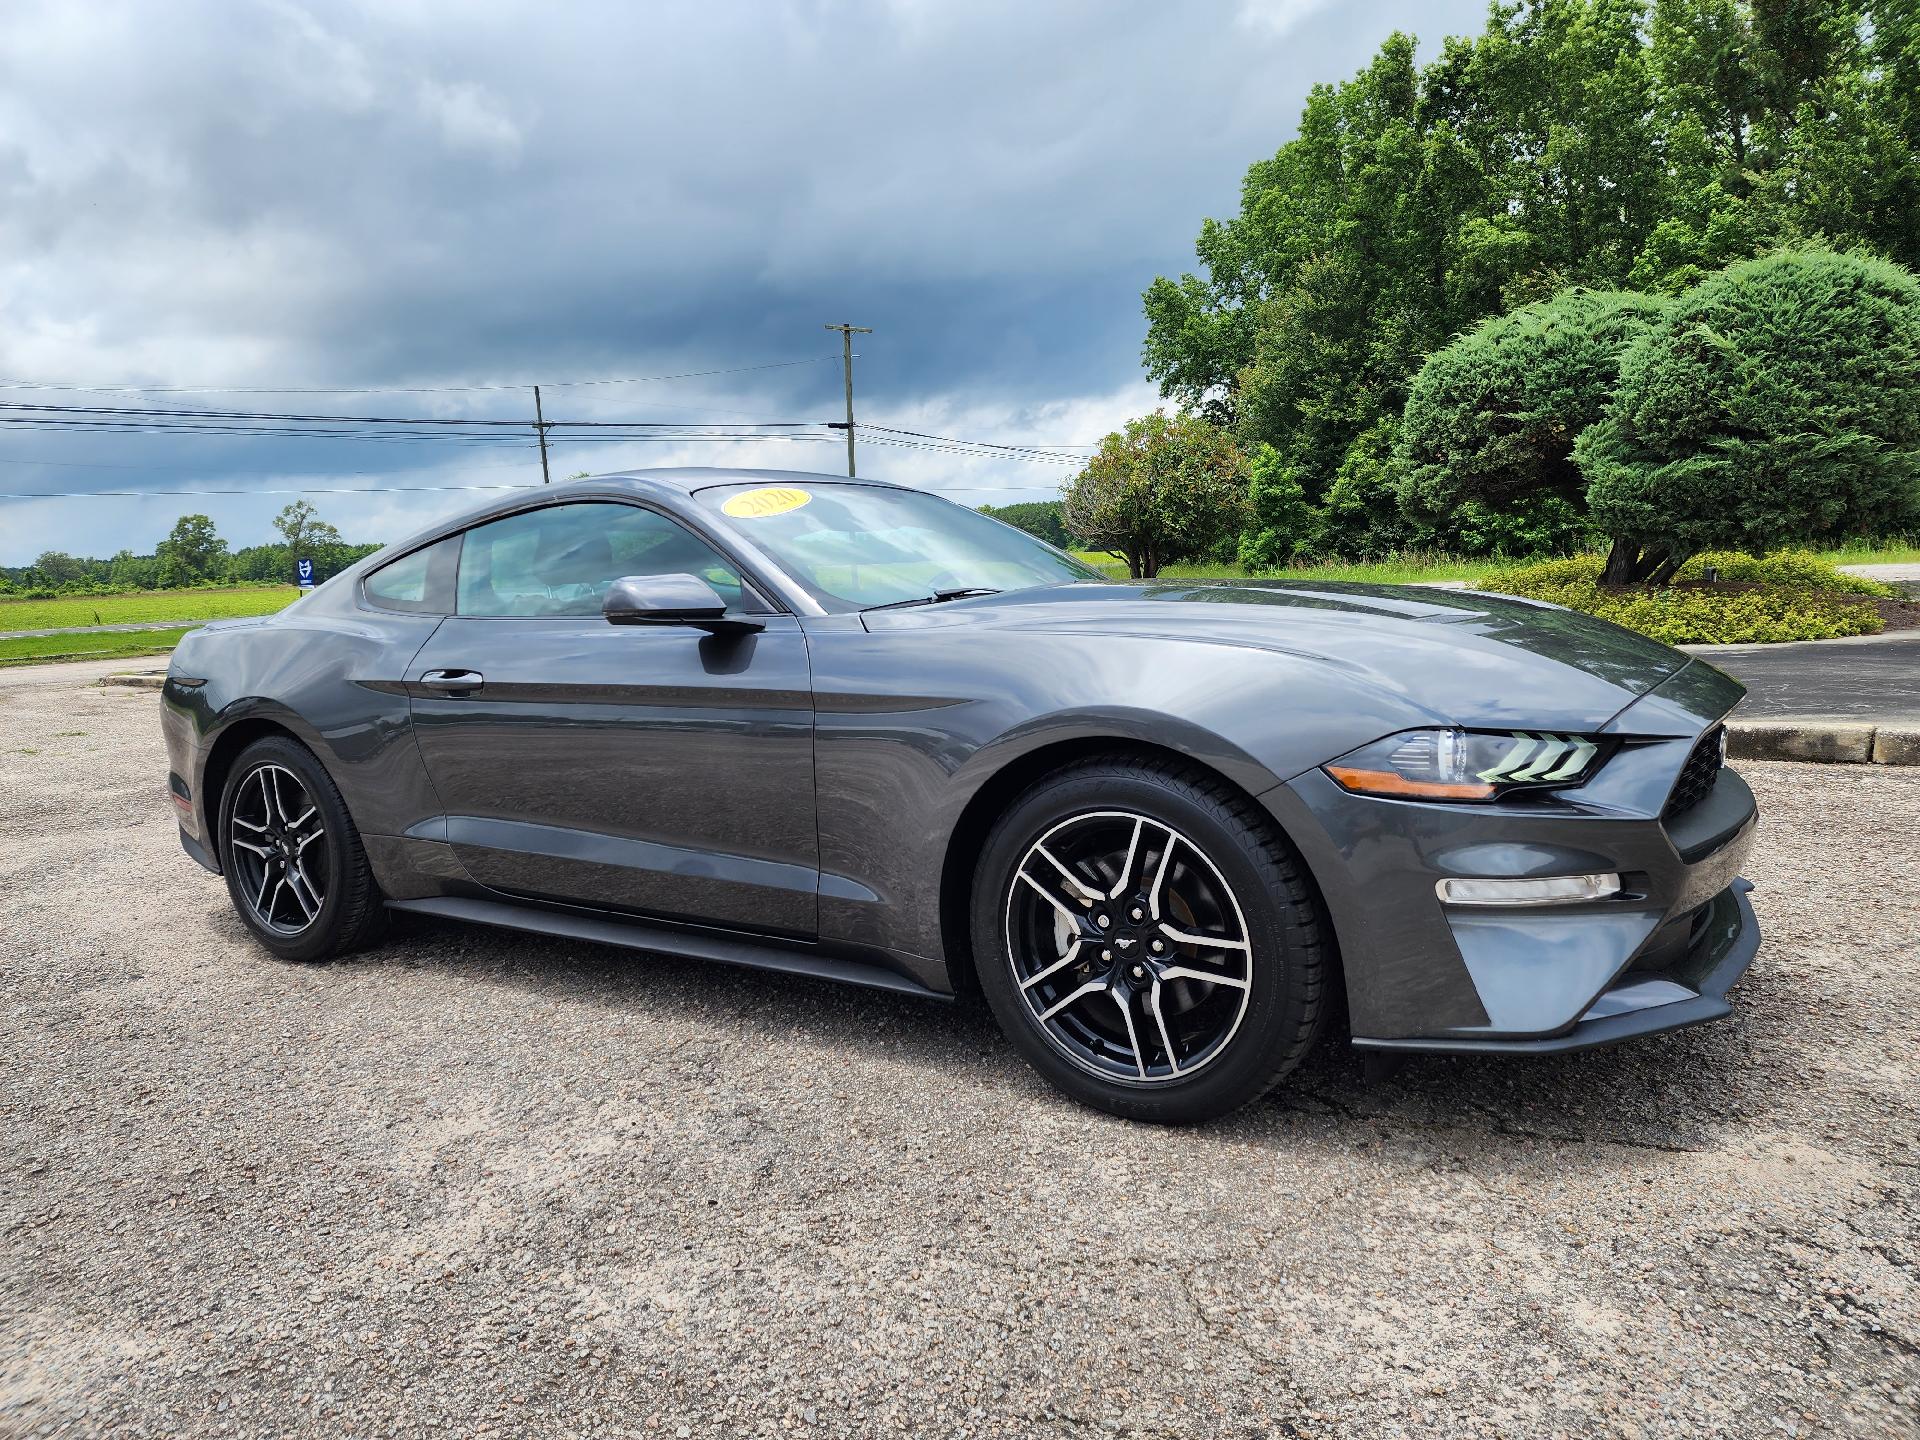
101,629
477,1182
1899,573
1873,678
76,673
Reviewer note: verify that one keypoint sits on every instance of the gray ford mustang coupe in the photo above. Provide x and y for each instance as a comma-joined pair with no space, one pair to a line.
851,730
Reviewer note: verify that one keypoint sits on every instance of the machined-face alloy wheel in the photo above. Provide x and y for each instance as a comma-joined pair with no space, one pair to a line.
1128,947
276,844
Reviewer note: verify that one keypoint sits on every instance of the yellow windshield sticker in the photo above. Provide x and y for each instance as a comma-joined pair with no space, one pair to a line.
756,504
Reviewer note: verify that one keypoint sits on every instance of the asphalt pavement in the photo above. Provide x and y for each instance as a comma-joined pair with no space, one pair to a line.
1874,677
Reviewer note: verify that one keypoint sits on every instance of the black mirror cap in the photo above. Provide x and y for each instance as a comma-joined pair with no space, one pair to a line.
672,600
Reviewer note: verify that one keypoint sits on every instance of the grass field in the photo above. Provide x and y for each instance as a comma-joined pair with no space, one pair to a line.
1885,555
139,607
105,645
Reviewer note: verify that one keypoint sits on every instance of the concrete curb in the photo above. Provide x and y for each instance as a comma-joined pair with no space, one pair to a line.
1832,742
1773,647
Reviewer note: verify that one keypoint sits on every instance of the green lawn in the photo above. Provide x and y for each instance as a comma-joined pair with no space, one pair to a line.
102,645
145,606
1884,555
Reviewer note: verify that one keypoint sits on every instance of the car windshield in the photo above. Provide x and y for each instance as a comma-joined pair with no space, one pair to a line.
854,546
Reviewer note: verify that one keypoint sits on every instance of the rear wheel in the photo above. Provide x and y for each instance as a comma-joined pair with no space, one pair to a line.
295,868
1148,941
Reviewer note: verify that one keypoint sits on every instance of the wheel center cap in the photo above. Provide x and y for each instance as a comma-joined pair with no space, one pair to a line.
1131,957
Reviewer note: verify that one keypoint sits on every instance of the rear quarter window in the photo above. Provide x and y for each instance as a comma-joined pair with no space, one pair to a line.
420,583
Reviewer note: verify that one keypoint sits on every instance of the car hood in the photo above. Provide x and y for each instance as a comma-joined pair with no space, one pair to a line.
1461,656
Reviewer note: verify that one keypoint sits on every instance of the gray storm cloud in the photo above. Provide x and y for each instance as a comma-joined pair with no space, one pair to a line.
436,194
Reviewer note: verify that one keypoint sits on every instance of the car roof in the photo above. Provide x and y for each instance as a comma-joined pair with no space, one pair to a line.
690,479
674,486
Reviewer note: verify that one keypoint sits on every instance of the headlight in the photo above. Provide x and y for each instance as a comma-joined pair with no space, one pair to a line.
1464,764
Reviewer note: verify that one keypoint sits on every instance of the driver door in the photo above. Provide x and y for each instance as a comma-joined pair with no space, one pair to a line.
651,769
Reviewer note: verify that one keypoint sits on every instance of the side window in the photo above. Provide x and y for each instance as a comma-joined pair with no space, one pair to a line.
421,582
561,560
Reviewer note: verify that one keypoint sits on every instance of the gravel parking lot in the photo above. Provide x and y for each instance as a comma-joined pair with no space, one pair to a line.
477,1183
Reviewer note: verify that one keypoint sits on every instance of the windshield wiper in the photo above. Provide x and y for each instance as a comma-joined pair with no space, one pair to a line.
958,592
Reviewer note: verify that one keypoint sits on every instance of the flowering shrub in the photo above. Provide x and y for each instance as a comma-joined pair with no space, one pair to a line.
1793,595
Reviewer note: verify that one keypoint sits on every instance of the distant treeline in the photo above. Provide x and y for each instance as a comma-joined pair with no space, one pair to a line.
192,554
1043,518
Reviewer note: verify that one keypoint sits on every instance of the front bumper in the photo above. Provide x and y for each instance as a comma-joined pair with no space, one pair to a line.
1723,940
1425,975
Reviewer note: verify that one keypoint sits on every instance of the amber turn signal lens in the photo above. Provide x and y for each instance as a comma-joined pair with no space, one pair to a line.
1388,782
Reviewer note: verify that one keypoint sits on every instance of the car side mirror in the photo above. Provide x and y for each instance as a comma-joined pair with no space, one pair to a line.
672,600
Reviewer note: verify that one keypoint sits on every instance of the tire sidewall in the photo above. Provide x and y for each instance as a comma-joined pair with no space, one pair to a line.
318,939
1273,1014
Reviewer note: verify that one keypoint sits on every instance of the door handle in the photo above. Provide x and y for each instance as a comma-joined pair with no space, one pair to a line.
452,682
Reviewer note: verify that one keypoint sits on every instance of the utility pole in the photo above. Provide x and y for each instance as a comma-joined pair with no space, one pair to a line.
847,332
540,428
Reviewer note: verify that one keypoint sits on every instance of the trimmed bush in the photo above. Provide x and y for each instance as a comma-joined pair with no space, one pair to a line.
1492,417
1742,613
1779,399
1797,569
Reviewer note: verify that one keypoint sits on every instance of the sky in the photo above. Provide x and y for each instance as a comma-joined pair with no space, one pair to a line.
438,202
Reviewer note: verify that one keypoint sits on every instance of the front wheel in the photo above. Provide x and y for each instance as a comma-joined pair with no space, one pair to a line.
1148,942
296,870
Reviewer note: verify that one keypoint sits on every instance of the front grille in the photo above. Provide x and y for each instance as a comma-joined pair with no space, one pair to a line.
1698,775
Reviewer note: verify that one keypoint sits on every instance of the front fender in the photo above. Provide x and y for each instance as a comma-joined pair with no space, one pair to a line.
912,724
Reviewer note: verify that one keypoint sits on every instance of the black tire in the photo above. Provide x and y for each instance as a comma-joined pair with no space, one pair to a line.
350,914
1287,969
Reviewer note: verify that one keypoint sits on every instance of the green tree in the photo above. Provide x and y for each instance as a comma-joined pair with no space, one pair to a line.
191,552
128,571
302,530
1039,518
1492,416
1779,400
54,568
1594,143
1160,490
1280,522
1362,516
1776,125
1412,204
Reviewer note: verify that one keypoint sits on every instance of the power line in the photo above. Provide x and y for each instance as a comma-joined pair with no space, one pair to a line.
16,384
311,490
495,439
158,414
390,490
1033,447
148,469
967,450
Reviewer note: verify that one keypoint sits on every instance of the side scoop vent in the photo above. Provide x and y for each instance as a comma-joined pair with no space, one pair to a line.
1698,775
